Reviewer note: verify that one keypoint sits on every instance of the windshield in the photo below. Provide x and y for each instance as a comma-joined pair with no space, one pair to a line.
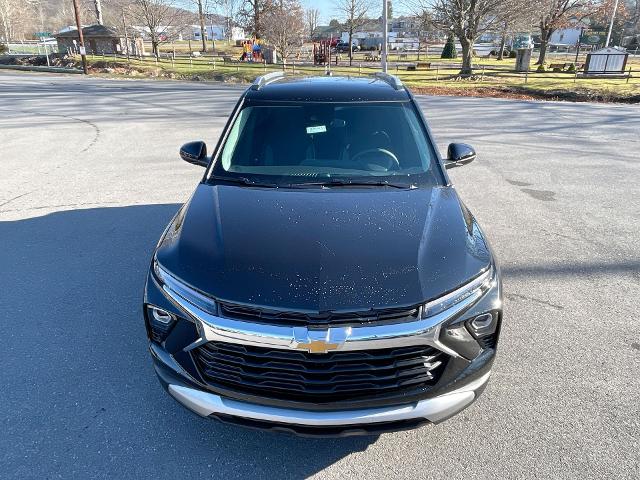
313,143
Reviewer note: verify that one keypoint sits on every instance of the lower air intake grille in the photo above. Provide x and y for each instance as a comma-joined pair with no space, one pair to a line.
319,378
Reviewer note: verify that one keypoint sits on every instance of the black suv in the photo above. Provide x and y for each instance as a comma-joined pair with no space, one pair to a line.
342,47
324,277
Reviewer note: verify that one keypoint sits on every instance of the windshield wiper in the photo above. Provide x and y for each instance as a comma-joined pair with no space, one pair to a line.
336,182
244,181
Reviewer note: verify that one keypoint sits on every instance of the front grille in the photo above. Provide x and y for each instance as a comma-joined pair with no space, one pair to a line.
318,378
276,317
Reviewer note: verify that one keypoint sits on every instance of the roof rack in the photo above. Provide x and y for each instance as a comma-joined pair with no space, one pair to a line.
392,80
265,79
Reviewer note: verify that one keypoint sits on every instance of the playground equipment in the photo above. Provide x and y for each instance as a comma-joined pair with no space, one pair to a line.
322,52
251,51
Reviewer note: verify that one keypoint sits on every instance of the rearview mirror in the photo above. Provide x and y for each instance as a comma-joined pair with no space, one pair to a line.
459,154
195,153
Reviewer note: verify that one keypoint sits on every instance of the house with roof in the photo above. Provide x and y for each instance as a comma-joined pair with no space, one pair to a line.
98,40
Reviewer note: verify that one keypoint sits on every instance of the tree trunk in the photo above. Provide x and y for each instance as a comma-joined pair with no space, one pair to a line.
98,8
545,34
467,56
256,20
419,44
202,29
503,42
154,47
6,26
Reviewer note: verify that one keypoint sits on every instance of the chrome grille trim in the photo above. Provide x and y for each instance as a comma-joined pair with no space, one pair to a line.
421,332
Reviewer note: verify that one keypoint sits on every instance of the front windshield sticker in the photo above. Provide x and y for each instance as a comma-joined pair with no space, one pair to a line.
317,129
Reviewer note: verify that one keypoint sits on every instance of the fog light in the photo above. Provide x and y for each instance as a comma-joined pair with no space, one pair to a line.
161,316
484,327
482,322
160,322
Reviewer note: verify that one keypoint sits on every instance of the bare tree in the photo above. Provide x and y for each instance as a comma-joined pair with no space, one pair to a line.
157,15
8,13
284,26
425,25
556,14
312,17
14,17
469,19
203,34
354,14
516,16
253,11
229,10
98,8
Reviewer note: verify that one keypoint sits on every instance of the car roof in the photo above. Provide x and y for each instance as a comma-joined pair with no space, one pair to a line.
326,88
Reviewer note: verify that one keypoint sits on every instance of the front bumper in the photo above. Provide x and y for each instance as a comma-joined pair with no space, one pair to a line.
463,380
433,410
441,405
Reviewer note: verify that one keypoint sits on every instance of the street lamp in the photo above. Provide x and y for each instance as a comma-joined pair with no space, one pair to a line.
384,36
613,16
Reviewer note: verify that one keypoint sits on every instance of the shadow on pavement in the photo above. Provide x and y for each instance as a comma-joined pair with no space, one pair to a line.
79,396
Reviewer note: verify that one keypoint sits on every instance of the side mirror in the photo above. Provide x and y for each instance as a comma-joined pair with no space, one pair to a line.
459,154
195,153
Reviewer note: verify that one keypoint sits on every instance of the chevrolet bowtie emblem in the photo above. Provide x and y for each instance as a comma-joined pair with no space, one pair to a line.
317,346
320,341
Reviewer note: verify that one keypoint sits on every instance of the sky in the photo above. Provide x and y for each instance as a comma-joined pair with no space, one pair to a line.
328,9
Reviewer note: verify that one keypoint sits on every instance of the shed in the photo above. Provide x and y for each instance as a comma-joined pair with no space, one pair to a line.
98,40
606,60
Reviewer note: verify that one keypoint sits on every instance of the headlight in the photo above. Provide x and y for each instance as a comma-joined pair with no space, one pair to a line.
475,287
180,291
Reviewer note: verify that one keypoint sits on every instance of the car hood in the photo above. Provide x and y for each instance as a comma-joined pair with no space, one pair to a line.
324,249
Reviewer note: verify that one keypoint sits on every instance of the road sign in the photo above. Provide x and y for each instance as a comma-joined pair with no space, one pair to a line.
83,51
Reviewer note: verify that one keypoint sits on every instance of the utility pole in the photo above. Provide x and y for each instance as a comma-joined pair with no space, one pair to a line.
83,52
213,37
126,36
98,7
385,22
613,16
578,44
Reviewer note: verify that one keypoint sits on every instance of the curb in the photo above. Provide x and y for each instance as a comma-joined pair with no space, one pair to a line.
31,68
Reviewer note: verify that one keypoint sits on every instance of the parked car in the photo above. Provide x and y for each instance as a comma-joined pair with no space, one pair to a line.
342,47
324,278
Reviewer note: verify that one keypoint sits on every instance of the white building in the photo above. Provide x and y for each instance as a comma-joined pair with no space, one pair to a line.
567,36
217,32
165,32
402,41
238,33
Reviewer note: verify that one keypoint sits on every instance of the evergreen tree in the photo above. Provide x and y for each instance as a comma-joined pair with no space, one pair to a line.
449,50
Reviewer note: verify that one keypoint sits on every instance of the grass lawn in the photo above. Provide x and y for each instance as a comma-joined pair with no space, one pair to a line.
490,76
184,47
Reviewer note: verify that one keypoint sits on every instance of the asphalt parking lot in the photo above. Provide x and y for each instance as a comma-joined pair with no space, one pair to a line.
90,175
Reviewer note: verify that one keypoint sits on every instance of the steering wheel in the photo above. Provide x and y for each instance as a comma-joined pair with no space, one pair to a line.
392,160
383,134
